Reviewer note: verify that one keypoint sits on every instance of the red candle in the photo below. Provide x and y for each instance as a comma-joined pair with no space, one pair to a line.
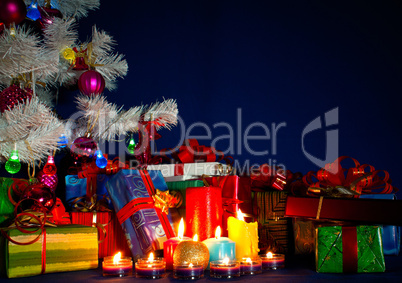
117,266
170,245
203,211
273,261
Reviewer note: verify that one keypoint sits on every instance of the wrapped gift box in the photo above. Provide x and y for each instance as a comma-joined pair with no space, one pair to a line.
192,170
349,249
375,211
274,229
58,249
113,239
304,236
181,187
145,225
6,207
77,187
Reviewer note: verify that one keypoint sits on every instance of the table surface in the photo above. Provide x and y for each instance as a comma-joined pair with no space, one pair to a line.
297,269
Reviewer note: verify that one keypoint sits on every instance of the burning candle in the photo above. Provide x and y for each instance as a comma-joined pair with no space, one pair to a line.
245,235
151,268
273,261
224,268
250,266
188,271
220,247
170,245
117,265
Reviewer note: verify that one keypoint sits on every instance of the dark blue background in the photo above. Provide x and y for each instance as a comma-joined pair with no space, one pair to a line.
277,61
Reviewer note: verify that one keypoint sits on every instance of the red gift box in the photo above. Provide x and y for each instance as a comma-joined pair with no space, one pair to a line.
376,211
236,194
113,239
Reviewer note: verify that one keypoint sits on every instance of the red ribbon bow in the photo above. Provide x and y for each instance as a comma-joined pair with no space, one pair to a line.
266,176
362,179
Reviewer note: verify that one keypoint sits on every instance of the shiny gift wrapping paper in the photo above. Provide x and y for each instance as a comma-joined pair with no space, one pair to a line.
334,256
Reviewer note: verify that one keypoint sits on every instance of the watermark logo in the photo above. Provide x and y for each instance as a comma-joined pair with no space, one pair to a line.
331,118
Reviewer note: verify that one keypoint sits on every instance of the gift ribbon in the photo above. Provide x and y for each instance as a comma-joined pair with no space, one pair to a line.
138,204
349,249
356,178
265,176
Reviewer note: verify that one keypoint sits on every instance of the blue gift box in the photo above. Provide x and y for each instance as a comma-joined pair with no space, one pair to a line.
391,235
77,188
145,227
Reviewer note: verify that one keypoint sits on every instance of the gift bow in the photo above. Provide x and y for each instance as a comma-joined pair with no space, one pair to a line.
164,201
354,179
266,176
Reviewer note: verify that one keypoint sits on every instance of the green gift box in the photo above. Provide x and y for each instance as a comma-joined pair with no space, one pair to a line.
349,249
58,249
181,187
6,207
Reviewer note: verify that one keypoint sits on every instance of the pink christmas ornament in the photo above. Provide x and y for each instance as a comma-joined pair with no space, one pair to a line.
91,83
48,181
13,95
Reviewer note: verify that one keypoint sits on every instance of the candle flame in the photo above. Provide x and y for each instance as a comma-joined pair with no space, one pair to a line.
195,238
226,260
218,232
117,258
269,255
240,215
181,229
190,265
248,260
151,257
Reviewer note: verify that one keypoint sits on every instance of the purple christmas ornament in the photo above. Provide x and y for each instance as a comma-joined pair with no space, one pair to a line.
49,181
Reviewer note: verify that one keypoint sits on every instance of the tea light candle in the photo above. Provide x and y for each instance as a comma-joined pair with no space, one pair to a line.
225,268
117,265
170,245
250,266
245,235
220,247
151,268
188,271
273,261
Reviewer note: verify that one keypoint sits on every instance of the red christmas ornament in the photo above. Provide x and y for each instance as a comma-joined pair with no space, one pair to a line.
1,28
204,211
41,193
47,14
13,95
49,181
79,64
91,83
50,168
12,11
83,149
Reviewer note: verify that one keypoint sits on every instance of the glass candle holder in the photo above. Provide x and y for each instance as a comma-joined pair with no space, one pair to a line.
250,266
273,261
188,271
123,267
224,269
151,269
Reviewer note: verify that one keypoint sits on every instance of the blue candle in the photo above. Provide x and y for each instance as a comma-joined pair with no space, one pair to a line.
220,247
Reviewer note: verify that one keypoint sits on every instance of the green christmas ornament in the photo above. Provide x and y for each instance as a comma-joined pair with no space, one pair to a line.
131,146
13,165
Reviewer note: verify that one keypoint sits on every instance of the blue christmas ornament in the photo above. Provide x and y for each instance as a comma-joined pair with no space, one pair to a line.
33,12
63,141
101,161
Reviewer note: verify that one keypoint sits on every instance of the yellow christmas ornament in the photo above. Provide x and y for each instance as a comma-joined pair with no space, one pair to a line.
69,55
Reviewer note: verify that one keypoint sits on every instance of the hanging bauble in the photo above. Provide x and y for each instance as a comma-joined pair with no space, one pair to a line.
50,168
49,181
131,145
91,83
40,192
83,149
63,141
101,161
13,95
33,11
47,15
13,165
1,28
12,11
